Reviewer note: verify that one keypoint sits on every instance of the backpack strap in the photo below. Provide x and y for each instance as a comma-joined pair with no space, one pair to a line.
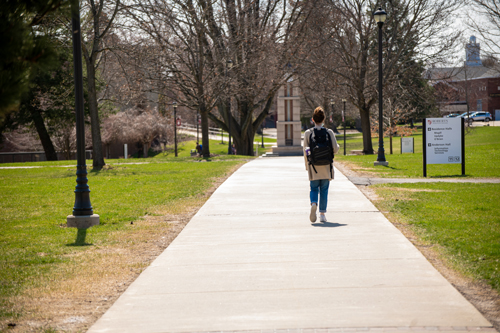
310,138
331,141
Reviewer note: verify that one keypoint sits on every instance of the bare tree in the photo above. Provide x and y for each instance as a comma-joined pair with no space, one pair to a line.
100,15
414,30
196,40
263,40
488,25
177,50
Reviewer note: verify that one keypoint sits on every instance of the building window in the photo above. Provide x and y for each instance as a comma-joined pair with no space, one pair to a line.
479,105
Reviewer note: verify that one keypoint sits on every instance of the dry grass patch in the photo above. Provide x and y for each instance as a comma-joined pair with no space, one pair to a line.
81,290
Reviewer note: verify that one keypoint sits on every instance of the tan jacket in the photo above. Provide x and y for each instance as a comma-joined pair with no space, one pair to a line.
323,170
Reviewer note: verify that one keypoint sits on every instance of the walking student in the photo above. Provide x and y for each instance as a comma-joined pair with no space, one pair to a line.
320,145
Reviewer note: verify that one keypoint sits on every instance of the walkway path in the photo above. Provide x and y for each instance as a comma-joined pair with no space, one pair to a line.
250,260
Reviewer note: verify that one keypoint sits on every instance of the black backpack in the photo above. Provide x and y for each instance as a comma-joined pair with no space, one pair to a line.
321,147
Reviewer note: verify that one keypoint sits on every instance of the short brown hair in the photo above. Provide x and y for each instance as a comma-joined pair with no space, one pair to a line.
319,115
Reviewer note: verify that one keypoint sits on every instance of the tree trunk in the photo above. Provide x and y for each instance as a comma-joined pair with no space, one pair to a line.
145,148
205,152
366,129
67,148
48,146
244,142
97,154
243,133
390,134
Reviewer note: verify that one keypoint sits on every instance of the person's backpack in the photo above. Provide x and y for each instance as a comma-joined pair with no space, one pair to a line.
321,148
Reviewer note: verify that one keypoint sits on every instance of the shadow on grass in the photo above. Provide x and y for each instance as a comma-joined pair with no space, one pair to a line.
448,176
390,167
80,238
328,225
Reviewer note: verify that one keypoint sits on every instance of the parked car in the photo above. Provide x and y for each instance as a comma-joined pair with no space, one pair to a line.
467,114
452,115
478,116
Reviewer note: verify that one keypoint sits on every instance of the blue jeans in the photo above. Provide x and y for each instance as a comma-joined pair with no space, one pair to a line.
320,187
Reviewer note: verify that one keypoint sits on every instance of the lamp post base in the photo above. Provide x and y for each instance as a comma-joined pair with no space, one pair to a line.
385,163
82,222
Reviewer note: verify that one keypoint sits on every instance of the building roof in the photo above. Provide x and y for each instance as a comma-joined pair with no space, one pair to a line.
461,73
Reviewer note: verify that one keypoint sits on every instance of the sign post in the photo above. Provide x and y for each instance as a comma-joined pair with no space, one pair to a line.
443,142
407,145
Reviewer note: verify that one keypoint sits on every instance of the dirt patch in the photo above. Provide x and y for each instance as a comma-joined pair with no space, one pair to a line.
477,292
81,291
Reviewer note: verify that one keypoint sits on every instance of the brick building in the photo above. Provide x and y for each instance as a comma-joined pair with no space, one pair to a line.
473,84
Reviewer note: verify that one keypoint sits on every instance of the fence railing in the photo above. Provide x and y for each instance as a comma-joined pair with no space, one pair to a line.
190,127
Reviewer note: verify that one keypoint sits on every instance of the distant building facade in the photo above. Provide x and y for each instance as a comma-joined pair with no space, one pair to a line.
472,85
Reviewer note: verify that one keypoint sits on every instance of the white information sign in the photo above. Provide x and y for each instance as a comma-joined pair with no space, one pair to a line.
407,145
443,140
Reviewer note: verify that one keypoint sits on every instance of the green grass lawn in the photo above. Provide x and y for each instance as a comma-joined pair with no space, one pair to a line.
463,219
183,152
216,147
258,138
35,202
482,154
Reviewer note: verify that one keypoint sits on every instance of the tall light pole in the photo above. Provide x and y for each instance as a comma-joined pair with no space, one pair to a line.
229,65
83,215
343,121
332,106
380,15
174,104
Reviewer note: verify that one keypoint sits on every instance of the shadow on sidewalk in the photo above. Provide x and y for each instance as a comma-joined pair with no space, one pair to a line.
328,225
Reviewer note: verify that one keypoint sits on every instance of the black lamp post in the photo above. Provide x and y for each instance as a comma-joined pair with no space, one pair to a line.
229,65
174,104
380,15
83,215
332,105
343,120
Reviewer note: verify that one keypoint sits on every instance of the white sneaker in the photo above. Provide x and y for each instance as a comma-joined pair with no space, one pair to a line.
322,218
313,212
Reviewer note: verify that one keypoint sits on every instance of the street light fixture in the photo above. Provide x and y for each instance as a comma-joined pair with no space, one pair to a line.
380,15
83,215
174,104
343,121
229,65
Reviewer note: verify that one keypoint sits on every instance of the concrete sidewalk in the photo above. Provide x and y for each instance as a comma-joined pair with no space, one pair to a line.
250,260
